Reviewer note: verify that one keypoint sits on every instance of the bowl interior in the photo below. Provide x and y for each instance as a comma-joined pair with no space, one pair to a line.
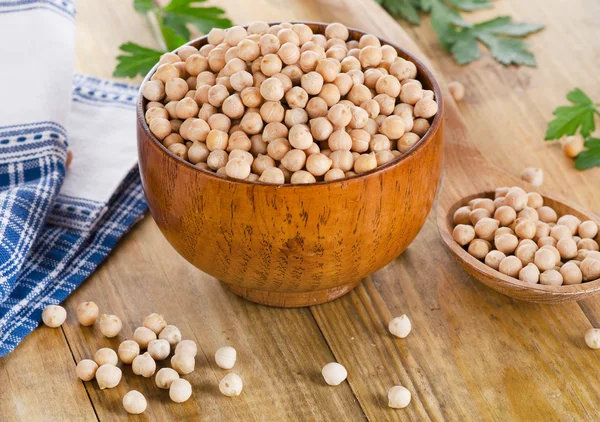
485,272
423,74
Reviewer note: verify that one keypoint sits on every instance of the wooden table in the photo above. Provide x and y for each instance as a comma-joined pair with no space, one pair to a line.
473,354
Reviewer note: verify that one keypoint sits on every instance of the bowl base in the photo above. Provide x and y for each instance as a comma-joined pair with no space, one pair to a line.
291,300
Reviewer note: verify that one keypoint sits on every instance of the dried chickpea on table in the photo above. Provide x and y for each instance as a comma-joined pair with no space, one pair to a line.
280,104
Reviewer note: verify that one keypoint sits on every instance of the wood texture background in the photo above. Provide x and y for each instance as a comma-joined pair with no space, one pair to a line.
473,354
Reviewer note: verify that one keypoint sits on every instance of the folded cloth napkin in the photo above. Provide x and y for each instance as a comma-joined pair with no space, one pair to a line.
57,224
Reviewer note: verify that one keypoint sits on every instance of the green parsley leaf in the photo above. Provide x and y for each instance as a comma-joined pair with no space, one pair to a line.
179,13
465,48
138,61
469,5
143,6
507,50
502,25
570,119
172,40
445,21
592,142
588,158
407,9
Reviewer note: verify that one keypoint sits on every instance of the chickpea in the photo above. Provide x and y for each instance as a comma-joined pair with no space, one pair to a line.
87,313
340,140
308,61
407,141
412,93
159,349
144,365
160,128
251,97
530,274
272,175
128,350
392,127
485,228
180,150
278,148
217,159
544,259
164,72
296,98
420,126
535,176
302,177
195,64
320,128
295,116
235,35
342,159
588,244
386,104
300,137
528,213
547,214
426,108
506,243
511,266
571,145
571,273
318,164
175,89
273,131
272,111
108,376
493,259
153,90
516,198
237,168
388,85
339,115
505,215
526,253
86,369
106,356
154,112
559,231
216,140
289,53
110,325
294,160
567,248
570,221
551,278
360,140
251,123
525,229
479,248
546,240
461,216
588,229
359,94
478,214
270,64
463,234
330,94
173,138
180,390
188,107
590,268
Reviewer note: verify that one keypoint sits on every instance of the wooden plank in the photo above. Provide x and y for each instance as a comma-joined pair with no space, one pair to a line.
39,383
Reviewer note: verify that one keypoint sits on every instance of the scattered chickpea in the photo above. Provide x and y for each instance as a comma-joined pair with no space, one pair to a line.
183,363
400,326
106,356
334,373
180,390
592,338
144,365
398,397
159,349
54,316
571,145
110,325
187,346
143,336
128,351
108,376
134,402
463,234
225,357
86,369
171,334
535,176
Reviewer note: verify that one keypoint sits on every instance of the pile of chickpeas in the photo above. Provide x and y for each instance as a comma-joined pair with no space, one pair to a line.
518,235
158,339
281,104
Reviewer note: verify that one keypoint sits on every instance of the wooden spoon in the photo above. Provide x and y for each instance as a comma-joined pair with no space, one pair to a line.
469,175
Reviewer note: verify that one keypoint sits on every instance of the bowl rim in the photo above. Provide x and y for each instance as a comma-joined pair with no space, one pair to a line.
421,68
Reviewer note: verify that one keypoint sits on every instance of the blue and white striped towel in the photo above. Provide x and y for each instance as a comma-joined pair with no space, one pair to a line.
56,224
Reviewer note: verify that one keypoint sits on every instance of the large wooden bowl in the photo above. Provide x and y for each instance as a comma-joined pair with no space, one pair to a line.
292,245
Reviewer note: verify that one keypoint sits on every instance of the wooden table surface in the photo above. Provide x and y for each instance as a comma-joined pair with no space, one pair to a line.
473,354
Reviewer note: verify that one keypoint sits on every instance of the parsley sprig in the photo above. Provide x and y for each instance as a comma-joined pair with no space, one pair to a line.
579,117
174,21
500,35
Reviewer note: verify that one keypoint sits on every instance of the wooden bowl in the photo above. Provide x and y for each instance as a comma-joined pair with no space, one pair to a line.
292,245
511,286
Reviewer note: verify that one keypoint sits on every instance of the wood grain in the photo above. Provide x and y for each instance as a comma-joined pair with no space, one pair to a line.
474,354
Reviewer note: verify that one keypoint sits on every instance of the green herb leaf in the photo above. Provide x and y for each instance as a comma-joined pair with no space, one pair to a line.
507,50
468,5
445,22
179,13
138,61
502,25
465,48
172,40
143,6
407,9
570,119
425,5
588,158
592,142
